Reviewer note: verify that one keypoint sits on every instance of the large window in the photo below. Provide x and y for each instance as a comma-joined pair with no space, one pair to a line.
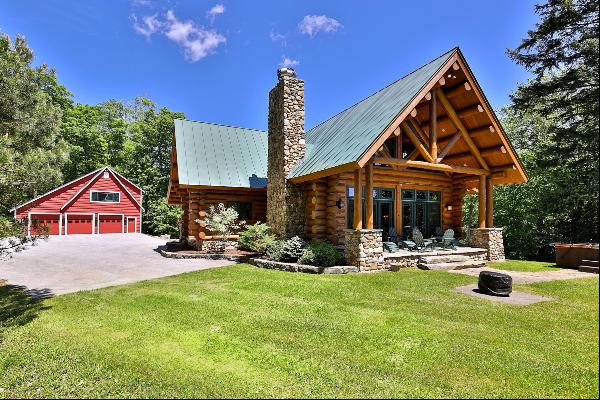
106,197
383,208
421,209
244,209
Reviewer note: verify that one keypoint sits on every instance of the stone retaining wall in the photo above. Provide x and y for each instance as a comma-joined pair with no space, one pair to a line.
294,267
241,258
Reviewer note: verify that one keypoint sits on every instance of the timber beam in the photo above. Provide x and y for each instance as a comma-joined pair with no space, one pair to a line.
431,166
486,151
416,142
461,127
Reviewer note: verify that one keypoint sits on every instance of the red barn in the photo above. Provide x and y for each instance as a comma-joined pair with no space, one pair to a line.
102,201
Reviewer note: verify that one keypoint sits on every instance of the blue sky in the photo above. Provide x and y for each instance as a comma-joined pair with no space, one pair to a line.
216,60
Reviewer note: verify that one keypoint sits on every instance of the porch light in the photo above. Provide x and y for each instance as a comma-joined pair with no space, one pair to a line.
449,208
339,203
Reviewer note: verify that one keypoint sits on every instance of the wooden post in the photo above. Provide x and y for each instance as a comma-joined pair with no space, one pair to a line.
399,144
482,200
433,126
489,206
357,200
398,208
369,194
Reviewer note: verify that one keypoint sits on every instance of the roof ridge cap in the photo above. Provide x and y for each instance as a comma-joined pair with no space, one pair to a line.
217,124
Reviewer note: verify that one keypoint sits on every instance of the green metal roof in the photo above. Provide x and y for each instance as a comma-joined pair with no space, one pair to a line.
345,137
218,155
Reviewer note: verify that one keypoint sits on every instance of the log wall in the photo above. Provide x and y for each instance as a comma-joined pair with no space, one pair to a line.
196,203
324,220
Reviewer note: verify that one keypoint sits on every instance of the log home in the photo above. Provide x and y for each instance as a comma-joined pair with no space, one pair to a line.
410,152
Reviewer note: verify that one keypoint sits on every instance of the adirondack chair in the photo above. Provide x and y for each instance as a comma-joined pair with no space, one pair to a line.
439,234
420,243
391,247
448,240
393,235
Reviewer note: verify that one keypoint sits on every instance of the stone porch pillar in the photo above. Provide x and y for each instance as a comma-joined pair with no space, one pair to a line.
364,248
490,239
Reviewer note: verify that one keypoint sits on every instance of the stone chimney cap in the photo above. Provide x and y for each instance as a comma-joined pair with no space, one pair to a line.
286,71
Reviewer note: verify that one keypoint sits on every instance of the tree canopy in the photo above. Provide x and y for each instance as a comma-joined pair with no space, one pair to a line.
32,103
553,123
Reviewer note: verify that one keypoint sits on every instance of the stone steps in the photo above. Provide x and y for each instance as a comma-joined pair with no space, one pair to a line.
448,262
590,266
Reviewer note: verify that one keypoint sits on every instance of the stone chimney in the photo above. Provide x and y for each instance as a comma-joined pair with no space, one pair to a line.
287,147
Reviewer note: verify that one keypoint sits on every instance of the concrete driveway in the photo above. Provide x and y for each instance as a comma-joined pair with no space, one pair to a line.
65,264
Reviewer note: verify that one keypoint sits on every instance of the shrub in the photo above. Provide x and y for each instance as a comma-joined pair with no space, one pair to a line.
275,250
287,250
321,254
293,249
256,238
221,220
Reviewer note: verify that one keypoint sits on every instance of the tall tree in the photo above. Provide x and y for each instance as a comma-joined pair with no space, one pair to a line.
148,161
554,123
32,103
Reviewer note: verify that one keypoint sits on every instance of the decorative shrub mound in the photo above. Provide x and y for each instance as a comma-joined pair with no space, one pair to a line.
287,250
320,254
256,238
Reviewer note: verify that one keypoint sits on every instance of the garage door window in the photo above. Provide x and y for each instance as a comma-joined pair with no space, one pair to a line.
106,197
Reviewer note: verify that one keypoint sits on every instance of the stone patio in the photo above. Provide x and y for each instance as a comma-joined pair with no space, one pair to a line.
405,258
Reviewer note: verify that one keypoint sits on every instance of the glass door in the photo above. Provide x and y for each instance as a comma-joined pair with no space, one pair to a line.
421,209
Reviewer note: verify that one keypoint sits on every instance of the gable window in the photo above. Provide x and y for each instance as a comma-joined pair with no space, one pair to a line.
106,197
244,209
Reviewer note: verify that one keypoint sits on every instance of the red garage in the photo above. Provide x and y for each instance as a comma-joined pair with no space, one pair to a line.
102,201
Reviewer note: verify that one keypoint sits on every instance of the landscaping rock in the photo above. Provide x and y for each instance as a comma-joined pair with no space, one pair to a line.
494,283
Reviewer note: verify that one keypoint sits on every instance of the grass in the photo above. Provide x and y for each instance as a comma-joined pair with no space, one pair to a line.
525,266
241,331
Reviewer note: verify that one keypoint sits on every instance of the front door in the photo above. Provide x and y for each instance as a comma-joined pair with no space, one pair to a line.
130,225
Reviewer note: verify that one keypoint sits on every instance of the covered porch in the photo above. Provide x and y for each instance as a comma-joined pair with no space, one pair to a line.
445,144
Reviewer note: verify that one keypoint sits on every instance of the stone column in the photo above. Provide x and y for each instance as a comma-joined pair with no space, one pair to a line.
286,148
364,248
489,239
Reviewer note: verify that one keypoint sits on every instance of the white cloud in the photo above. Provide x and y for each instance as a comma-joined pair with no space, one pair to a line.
147,26
214,11
278,37
311,25
196,41
288,62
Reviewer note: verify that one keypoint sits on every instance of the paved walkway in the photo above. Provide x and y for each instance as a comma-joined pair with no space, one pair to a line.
530,277
65,264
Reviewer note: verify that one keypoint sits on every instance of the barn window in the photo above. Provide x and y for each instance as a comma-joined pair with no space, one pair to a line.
105,175
106,197
244,209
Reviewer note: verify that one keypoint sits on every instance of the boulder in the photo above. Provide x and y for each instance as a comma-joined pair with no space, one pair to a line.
495,283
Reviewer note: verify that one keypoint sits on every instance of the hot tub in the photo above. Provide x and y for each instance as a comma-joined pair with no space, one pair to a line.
570,255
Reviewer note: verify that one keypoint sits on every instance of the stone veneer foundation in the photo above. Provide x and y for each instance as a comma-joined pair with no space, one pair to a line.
364,249
490,239
286,148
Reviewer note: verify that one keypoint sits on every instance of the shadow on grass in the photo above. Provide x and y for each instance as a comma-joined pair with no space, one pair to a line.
19,306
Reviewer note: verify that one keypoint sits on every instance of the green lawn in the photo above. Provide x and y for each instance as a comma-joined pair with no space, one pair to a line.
525,266
248,332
